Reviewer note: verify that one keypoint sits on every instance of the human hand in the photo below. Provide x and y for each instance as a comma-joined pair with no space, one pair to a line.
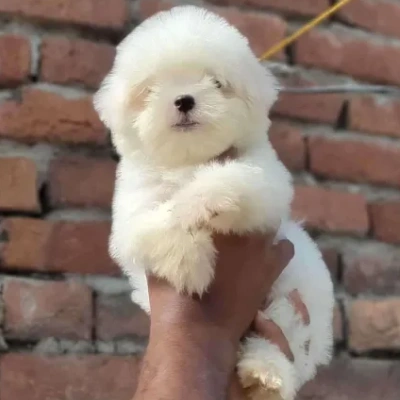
246,269
194,341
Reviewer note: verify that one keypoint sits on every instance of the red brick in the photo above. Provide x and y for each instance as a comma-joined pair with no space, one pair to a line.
28,376
81,247
82,182
18,185
385,218
374,325
289,144
262,30
107,14
300,7
372,269
37,309
331,258
372,115
75,61
355,161
119,318
26,245
380,16
355,379
330,210
343,53
15,56
50,117
316,107
57,246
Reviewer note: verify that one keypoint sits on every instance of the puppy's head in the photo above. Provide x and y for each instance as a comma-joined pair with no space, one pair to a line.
185,87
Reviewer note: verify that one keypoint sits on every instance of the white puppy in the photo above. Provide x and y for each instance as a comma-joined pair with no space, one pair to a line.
185,87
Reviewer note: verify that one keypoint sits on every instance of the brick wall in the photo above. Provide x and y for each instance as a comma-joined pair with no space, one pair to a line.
69,330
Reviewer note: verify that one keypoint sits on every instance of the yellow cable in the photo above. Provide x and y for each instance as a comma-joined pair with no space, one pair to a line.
317,20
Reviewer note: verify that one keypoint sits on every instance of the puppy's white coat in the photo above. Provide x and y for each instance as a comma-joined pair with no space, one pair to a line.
184,88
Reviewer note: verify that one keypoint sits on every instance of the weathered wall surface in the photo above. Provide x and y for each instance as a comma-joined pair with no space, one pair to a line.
68,328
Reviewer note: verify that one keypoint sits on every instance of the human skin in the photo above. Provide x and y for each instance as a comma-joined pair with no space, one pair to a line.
193,342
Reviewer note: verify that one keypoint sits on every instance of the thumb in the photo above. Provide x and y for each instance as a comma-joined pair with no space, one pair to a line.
271,331
285,250
277,258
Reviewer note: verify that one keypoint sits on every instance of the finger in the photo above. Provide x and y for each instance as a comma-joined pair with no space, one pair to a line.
154,281
299,306
269,330
150,279
286,251
266,303
280,253
270,239
277,259
297,303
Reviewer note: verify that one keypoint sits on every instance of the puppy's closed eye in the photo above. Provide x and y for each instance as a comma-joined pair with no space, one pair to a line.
138,98
217,83
225,88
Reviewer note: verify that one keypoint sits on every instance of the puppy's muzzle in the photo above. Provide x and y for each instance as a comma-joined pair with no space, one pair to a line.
185,103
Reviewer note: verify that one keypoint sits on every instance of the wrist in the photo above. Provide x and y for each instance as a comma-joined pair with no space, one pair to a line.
188,316
184,362
208,343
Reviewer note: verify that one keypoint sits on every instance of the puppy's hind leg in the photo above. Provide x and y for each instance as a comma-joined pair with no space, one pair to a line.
265,372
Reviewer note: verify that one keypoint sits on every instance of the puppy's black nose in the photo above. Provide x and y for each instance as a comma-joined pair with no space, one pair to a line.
185,103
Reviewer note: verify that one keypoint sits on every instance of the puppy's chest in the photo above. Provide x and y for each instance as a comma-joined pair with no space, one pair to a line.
170,182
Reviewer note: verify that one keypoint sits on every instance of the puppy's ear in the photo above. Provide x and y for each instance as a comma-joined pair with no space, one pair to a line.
118,98
109,102
114,103
262,85
271,88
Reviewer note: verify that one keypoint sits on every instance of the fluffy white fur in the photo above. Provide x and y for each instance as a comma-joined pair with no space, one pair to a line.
169,196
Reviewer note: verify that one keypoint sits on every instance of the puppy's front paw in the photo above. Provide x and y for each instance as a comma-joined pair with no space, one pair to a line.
185,259
151,229
195,211
265,372
215,198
